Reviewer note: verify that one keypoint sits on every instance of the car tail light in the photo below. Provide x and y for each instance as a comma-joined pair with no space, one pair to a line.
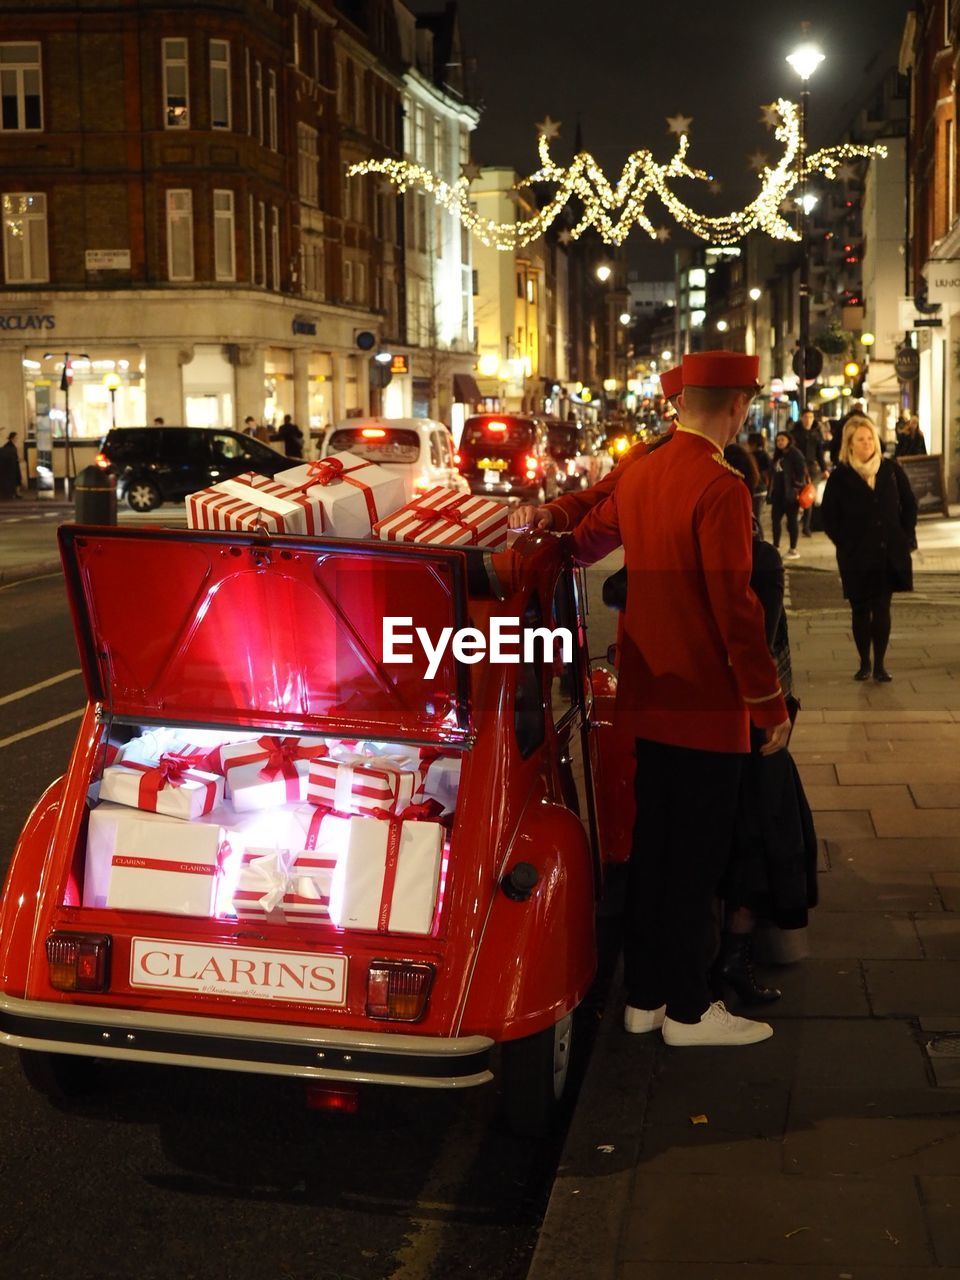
102,461
79,961
457,459
373,433
398,990
497,428
531,462
325,1097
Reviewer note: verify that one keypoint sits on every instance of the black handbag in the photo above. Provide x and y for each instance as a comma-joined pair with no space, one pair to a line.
615,590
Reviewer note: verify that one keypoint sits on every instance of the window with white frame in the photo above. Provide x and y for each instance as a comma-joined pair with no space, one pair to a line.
180,234
258,98
176,85
439,159
360,283
273,132
220,112
252,229
421,199
296,39
274,247
21,106
341,88
316,52
347,280
248,90
313,266
419,134
25,238
308,173
262,239
464,146
347,196
407,126
224,236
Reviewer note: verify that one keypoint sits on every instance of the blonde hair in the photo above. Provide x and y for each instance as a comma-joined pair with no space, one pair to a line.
852,426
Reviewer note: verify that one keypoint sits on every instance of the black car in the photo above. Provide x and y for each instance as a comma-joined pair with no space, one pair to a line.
164,464
508,455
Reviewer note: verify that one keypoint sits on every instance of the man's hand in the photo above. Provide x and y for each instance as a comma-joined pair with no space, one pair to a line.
777,738
529,516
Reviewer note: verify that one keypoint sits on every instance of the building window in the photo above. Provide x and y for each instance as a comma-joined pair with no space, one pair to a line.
224,236
313,265
220,114
360,283
341,89
249,92
252,224
420,134
316,53
258,98
347,280
407,107
438,231
438,158
272,111
262,239
951,176
519,284
176,86
20,101
25,238
275,247
347,197
421,221
180,235
296,39
464,146
308,173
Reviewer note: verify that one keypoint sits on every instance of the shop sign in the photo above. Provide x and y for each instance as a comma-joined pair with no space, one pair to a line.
907,363
943,282
107,259
304,327
21,321
400,364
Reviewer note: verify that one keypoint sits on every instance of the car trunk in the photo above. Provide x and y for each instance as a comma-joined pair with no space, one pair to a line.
211,655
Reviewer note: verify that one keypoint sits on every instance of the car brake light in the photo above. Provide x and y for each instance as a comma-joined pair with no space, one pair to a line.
79,961
373,433
457,459
102,461
531,463
325,1097
497,428
397,990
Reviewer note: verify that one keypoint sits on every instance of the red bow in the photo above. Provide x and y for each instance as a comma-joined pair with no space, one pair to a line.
326,471
448,514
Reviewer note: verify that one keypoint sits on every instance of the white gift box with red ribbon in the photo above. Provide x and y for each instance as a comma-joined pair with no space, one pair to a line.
138,861
250,501
168,785
387,873
439,774
268,771
291,880
448,518
363,784
352,492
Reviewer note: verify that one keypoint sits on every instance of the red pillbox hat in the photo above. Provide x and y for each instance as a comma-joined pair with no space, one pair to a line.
671,381
720,369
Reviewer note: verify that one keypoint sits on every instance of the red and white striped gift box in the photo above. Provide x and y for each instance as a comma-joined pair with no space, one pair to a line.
448,518
251,501
263,879
362,784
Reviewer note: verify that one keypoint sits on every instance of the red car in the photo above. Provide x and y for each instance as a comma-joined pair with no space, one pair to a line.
218,636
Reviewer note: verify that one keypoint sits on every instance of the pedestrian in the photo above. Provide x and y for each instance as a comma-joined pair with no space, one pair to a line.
870,515
808,438
757,447
291,436
10,479
910,441
788,475
694,670
249,425
159,422
772,872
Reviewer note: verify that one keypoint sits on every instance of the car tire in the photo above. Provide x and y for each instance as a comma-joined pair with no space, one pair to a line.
534,1077
59,1077
143,495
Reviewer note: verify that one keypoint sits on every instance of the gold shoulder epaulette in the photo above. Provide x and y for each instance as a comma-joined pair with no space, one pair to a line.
718,457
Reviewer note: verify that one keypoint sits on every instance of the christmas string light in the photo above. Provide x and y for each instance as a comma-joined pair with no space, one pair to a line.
613,211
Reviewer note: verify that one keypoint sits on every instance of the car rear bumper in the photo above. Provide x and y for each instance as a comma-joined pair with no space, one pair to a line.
225,1044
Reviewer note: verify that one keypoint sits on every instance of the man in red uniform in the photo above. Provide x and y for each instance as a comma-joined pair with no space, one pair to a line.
694,670
566,512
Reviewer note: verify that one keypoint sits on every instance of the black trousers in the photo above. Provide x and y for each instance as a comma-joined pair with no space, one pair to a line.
871,624
686,809
779,509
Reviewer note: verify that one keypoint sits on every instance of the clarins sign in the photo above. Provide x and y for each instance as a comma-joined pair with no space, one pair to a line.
26,321
252,973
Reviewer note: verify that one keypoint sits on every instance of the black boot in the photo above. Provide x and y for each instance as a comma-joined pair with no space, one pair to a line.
735,964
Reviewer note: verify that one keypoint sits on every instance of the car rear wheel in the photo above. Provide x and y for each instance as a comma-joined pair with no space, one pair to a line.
535,1072
143,495
58,1076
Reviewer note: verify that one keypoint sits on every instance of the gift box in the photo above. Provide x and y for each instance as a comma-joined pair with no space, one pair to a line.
352,492
252,501
440,773
261,880
387,873
268,771
448,518
362,784
168,785
138,861
442,782
287,865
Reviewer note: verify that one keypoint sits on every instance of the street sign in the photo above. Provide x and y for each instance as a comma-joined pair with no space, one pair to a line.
927,322
907,363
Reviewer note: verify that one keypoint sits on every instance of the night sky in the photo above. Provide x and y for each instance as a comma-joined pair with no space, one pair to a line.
625,65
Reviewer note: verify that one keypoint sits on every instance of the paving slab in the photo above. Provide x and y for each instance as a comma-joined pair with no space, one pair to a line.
818,775
936,795
925,853
941,1203
915,822
868,797
927,732
844,889
876,1147
868,935
845,824
817,988
948,885
769,1271
873,715
824,756
913,988
940,936
795,1221
897,770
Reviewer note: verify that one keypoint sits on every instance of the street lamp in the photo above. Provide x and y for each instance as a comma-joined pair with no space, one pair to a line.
666,355
112,382
604,272
754,295
65,388
804,60
867,339
625,317
722,326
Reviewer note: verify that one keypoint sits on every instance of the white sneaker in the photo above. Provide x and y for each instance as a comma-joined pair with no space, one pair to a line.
638,1021
716,1027
792,554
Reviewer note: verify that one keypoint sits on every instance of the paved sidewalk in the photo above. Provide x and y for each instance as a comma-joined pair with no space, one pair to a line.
832,1150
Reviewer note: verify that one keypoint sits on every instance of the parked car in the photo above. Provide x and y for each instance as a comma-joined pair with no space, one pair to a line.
164,464
573,449
508,455
213,633
418,449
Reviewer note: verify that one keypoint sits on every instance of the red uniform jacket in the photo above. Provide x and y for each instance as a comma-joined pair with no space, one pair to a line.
570,509
694,665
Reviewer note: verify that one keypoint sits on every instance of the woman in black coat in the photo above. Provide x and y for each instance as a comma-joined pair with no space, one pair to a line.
788,475
870,515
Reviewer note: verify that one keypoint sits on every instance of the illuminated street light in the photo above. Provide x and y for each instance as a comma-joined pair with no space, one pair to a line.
808,202
625,317
112,382
867,339
604,272
805,59
666,355
755,294
722,326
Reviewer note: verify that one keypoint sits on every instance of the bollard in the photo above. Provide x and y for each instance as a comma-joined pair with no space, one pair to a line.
95,496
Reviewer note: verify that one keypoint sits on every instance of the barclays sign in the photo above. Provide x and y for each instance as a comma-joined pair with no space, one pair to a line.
26,322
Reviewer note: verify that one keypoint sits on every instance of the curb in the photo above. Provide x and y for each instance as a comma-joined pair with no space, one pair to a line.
24,572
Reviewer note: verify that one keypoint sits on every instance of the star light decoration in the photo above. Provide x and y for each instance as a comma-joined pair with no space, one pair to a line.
614,210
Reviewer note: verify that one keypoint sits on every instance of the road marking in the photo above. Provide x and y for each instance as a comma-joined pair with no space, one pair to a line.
23,582
34,688
40,728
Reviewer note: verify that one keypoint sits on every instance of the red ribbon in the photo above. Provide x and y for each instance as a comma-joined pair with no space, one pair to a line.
171,770
426,811
282,754
432,515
